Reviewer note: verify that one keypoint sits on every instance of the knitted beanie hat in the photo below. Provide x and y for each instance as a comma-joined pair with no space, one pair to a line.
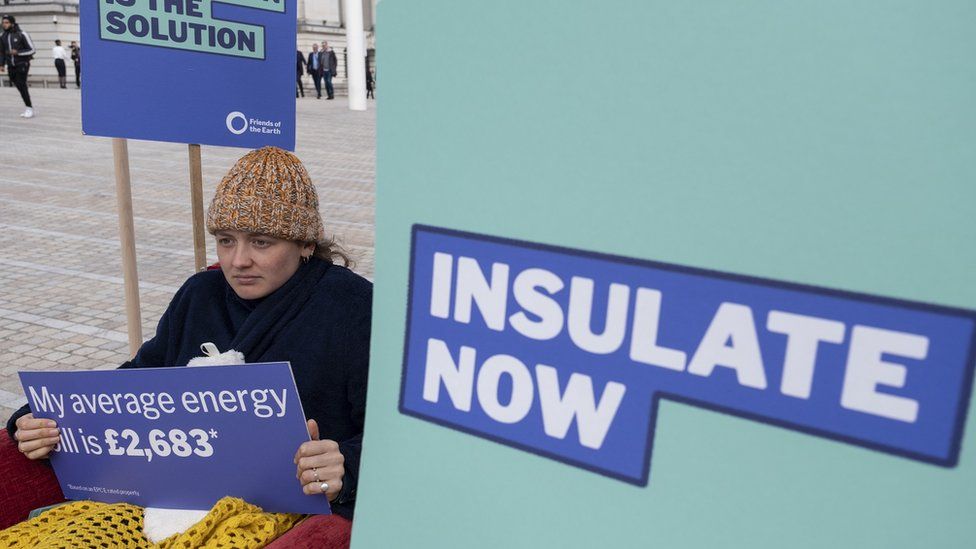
268,192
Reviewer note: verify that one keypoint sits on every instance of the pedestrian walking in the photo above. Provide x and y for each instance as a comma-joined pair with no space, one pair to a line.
76,58
16,52
314,66
329,66
369,85
60,55
300,68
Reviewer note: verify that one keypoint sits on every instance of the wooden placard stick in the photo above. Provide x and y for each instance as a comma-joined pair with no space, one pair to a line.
196,199
127,236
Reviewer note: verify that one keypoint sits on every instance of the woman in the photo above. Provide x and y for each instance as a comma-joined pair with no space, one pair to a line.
278,296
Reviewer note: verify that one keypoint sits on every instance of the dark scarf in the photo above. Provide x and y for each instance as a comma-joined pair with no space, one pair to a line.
277,310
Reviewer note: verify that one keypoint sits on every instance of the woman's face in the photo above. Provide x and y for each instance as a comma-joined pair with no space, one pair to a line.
256,265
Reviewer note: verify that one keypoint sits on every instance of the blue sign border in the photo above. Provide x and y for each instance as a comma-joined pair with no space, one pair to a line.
961,412
184,98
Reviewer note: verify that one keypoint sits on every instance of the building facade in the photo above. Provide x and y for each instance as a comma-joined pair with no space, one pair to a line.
49,20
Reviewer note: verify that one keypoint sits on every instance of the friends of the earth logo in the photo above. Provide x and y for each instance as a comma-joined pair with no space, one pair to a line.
238,123
566,354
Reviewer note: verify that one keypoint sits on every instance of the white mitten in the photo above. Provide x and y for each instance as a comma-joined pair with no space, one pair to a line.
157,523
213,357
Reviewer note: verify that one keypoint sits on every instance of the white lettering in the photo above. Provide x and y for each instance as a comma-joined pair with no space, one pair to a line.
440,293
522,390
643,338
866,370
803,335
581,315
550,314
457,378
592,420
732,323
46,401
472,286
280,401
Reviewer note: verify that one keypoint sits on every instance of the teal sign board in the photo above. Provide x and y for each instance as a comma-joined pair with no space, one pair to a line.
782,191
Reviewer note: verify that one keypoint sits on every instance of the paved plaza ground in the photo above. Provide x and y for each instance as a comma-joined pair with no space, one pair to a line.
61,288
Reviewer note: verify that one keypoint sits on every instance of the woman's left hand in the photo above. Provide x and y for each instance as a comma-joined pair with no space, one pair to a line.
320,462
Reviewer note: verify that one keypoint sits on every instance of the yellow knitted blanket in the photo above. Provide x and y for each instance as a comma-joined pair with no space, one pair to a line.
232,523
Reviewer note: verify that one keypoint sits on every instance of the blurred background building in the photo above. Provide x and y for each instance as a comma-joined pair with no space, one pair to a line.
49,20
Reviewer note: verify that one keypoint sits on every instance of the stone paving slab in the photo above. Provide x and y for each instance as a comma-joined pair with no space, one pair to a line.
61,288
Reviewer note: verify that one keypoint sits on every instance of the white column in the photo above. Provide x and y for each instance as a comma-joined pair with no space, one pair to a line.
352,14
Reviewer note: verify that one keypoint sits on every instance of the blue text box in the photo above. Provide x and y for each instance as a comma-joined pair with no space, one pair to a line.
885,374
218,431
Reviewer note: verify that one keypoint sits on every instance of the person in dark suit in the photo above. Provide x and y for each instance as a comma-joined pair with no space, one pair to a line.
330,64
300,68
76,57
314,67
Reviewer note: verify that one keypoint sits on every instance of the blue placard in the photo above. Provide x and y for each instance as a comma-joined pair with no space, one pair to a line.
216,72
177,438
566,354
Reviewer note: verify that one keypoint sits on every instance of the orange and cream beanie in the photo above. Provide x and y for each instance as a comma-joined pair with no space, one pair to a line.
268,192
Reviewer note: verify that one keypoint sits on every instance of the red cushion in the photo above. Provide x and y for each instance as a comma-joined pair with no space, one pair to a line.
318,532
25,484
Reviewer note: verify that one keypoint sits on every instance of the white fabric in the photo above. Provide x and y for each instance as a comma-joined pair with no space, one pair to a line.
213,357
58,53
159,524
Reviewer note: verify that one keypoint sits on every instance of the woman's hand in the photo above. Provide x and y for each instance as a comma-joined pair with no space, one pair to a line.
319,461
36,438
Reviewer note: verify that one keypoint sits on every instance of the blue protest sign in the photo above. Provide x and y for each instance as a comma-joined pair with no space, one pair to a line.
566,354
178,438
216,72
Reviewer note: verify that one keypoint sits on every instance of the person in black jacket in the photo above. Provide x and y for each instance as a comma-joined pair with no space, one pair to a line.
16,52
76,58
280,295
300,69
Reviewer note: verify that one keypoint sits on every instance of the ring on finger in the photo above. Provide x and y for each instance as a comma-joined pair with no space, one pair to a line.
324,487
